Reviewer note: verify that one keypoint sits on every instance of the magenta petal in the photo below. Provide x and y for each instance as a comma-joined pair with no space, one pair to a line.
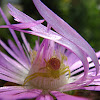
15,65
18,92
41,31
76,66
65,30
44,97
70,56
10,79
20,25
13,54
19,16
15,49
27,94
27,45
14,36
62,96
94,88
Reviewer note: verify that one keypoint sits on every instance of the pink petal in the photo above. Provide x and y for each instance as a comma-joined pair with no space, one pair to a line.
96,80
15,49
44,97
14,63
27,45
11,70
14,36
4,72
19,16
70,61
65,30
78,64
27,94
10,79
69,45
13,54
94,88
17,92
41,30
20,25
62,96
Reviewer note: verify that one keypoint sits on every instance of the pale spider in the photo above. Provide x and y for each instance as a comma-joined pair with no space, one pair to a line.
53,70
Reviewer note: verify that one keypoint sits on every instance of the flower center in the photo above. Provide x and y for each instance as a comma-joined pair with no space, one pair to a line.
49,77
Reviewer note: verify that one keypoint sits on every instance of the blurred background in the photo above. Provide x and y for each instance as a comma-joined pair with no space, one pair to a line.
82,15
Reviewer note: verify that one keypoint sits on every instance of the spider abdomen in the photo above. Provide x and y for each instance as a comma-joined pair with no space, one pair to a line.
54,63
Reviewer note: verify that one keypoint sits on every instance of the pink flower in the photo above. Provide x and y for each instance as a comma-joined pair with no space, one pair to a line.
53,66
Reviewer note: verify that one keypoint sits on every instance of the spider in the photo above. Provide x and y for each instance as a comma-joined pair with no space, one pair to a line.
53,70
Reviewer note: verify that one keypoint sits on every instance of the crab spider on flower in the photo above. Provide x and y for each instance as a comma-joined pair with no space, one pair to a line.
52,67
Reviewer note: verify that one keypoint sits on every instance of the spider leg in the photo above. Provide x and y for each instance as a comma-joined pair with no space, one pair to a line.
30,77
67,67
63,71
42,68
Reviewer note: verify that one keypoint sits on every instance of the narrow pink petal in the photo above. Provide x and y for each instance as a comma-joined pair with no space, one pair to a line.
20,25
41,30
8,66
7,88
13,91
25,42
48,27
15,49
37,46
81,68
3,97
15,64
18,92
70,57
96,80
7,72
76,66
51,36
14,35
13,54
9,79
37,29
65,30
67,44
19,16
62,96
94,88
44,97
27,94
98,54
96,83
45,34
